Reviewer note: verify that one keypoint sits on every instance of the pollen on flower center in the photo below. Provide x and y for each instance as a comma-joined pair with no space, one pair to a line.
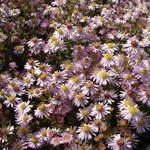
141,122
103,74
128,102
43,76
41,107
89,84
80,97
144,71
99,107
128,77
24,118
34,139
65,88
43,132
133,110
84,113
108,56
147,93
110,45
76,79
85,128
23,106
11,98
27,80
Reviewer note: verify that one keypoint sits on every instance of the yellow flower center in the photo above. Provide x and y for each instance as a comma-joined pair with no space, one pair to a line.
43,132
103,74
133,110
76,79
56,42
144,71
84,113
128,77
128,102
66,137
110,45
80,96
141,122
147,93
11,99
43,76
27,80
60,31
85,128
34,139
41,107
65,88
24,118
148,37
69,67
23,106
89,85
148,28
108,56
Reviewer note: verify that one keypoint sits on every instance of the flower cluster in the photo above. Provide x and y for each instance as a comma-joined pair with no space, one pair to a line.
75,74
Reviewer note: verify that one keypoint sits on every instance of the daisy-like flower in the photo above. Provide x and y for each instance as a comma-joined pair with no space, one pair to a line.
66,138
34,141
109,48
19,49
40,111
107,60
84,114
107,96
31,63
119,143
59,2
23,119
100,110
19,145
59,76
144,96
143,124
23,107
43,79
131,113
76,81
14,12
80,99
65,90
23,130
28,80
56,141
11,100
86,131
89,88
132,46
101,77
43,135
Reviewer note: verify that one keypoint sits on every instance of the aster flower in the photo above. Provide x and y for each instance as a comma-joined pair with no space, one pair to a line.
59,76
131,113
40,111
144,96
80,99
23,131
34,141
142,125
86,131
14,12
89,88
101,77
23,119
19,49
43,135
19,145
119,143
43,79
56,141
109,48
84,114
100,110
66,138
23,107
11,100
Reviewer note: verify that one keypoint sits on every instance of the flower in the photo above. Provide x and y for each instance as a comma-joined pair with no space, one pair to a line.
66,138
86,131
119,143
40,111
100,110
34,141
23,119
23,107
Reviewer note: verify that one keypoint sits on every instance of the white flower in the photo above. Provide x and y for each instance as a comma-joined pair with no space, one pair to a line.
100,110
86,131
109,48
119,143
40,111
23,107
23,119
